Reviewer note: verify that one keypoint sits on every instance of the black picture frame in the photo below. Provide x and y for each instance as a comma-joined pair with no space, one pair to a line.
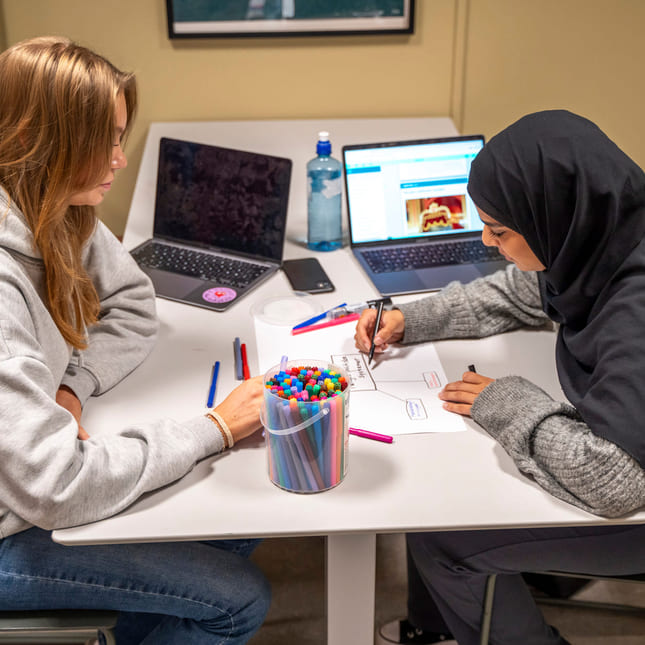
279,18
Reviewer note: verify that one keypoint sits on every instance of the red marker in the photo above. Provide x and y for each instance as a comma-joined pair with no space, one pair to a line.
328,323
245,364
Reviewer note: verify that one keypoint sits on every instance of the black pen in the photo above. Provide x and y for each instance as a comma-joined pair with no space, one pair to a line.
379,312
471,368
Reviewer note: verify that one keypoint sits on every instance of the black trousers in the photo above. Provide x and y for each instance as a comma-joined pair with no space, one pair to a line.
423,613
449,573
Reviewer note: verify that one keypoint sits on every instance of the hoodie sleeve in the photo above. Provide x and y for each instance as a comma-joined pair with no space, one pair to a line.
48,477
127,326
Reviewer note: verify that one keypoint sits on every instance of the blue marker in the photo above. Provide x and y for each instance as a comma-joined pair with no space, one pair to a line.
321,316
211,392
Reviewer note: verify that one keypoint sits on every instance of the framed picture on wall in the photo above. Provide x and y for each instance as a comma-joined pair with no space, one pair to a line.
232,18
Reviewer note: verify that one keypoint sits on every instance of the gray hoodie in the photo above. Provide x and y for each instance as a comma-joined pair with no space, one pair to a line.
48,477
547,439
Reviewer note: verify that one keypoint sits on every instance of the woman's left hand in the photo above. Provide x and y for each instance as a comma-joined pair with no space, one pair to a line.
459,396
66,398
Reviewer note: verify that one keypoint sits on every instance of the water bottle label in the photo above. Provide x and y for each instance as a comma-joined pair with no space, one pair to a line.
332,187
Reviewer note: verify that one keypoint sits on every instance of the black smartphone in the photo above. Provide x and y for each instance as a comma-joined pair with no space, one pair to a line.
307,274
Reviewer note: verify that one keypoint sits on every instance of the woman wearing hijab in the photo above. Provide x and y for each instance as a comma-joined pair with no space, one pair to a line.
567,208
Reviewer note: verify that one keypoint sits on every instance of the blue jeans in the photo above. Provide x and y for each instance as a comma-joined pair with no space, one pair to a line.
170,593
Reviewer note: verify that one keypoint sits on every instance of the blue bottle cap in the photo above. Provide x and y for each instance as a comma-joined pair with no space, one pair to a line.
323,148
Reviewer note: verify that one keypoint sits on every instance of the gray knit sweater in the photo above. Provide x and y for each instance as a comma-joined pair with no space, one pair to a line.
547,439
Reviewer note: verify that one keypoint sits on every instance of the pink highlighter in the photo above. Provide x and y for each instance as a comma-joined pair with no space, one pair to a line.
386,438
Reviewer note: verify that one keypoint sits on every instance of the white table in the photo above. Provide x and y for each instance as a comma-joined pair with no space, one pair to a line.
420,482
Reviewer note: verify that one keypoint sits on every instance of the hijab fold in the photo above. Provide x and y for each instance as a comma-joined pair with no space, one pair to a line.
579,201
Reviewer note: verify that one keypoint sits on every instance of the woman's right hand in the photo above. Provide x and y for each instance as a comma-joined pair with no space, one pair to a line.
390,330
241,408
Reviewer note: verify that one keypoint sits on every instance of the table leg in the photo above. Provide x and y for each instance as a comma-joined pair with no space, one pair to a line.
351,576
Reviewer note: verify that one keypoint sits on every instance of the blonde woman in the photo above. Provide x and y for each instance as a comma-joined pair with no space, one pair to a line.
76,316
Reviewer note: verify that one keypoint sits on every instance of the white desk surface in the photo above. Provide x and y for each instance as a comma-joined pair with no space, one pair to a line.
436,481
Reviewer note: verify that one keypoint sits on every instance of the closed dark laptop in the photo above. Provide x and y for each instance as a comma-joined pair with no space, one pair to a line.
412,225
219,223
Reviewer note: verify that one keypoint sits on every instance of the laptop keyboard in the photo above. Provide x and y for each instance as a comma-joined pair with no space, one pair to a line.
190,262
423,256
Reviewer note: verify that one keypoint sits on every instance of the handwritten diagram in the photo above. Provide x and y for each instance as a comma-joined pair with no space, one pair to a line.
396,394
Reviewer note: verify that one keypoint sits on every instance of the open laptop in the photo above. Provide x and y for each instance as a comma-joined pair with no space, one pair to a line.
412,225
219,223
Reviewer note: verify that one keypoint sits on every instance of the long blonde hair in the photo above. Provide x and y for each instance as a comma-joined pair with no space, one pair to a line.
57,128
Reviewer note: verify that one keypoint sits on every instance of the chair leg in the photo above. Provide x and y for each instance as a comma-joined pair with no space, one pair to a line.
487,613
108,634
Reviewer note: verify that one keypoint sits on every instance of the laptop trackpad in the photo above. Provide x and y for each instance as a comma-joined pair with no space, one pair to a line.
486,268
439,277
210,295
172,285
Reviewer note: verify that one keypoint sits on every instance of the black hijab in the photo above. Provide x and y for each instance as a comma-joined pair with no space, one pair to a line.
579,202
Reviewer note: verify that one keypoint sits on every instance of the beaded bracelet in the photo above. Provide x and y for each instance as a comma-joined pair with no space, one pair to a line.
218,421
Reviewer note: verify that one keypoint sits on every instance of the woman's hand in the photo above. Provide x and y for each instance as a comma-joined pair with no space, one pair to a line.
459,396
241,408
390,330
66,398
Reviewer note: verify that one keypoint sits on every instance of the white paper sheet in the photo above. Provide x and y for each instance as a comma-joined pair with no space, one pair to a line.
397,394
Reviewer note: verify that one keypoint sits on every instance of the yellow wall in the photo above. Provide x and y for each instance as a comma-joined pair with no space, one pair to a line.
246,78
483,62
583,55
3,38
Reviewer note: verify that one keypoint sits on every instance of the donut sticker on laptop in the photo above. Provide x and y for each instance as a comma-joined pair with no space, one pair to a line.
219,294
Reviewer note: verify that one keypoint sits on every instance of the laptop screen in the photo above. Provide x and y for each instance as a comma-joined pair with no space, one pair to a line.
223,199
414,189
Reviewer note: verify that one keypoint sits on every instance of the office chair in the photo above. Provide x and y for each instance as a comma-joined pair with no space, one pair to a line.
56,626
487,613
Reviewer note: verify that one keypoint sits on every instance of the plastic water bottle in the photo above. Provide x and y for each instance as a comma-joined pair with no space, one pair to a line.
324,187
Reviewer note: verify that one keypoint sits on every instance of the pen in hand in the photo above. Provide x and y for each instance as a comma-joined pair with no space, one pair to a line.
379,313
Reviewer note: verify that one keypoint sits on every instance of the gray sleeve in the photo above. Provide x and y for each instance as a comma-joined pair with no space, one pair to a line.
53,479
549,441
49,477
127,327
503,301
